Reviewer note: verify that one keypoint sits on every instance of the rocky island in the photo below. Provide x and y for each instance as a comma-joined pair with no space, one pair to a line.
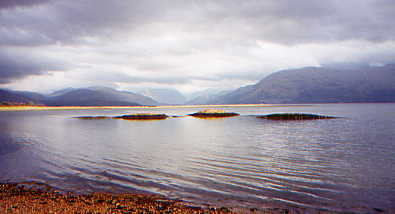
295,116
143,116
93,117
213,113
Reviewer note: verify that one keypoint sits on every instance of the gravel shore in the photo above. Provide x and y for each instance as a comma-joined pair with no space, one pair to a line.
25,199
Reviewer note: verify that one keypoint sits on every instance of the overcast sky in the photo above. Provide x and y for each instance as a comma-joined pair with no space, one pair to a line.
188,45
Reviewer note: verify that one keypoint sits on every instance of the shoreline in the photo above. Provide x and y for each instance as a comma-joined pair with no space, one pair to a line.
31,197
44,108
48,108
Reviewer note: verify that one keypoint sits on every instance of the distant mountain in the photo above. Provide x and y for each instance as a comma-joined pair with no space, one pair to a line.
335,83
164,95
60,92
33,96
97,96
319,85
206,96
9,96
92,96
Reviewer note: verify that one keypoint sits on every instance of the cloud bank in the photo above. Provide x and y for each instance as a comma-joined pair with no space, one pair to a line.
189,45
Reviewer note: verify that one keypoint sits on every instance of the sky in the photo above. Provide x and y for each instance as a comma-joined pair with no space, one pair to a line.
189,45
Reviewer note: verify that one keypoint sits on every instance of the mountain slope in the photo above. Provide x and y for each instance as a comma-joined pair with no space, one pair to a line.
98,96
60,92
8,96
319,85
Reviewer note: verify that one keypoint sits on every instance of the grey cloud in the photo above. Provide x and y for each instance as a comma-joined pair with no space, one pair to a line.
202,34
294,22
285,21
161,80
68,22
247,75
115,76
15,65
20,3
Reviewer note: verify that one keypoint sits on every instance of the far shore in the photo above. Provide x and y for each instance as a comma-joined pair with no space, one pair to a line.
44,108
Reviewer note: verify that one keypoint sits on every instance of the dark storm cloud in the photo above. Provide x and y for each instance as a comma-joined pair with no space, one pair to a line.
65,22
20,3
16,66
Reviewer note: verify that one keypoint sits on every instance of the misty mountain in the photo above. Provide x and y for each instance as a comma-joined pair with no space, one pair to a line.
319,85
206,96
9,96
164,95
60,92
304,85
92,96
97,96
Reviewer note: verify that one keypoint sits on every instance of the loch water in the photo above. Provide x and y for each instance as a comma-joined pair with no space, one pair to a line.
344,164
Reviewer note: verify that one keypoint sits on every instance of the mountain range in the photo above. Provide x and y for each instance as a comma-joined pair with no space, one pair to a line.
318,85
326,84
92,96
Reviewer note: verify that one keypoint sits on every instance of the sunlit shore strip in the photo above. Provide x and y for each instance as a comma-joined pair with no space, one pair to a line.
44,108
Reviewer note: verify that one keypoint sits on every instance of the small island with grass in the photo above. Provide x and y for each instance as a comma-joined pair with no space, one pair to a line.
295,116
143,116
93,117
213,113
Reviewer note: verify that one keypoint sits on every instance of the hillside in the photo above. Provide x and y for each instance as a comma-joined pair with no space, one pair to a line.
13,97
93,96
97,96
319,85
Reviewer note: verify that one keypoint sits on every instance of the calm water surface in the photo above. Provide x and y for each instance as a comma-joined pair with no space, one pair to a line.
343,164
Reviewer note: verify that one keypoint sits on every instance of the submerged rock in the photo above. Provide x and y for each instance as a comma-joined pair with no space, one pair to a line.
143,116
213,113
295,116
